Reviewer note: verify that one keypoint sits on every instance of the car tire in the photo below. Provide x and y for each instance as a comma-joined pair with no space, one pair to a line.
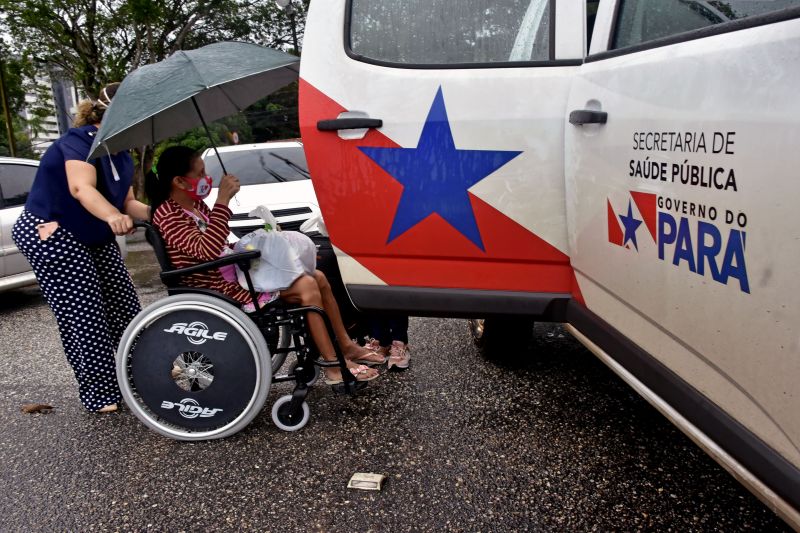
502,339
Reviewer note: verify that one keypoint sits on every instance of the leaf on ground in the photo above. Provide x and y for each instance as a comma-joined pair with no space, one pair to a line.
30,408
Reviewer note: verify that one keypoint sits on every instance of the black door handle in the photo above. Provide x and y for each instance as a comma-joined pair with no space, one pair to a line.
586,116
349,124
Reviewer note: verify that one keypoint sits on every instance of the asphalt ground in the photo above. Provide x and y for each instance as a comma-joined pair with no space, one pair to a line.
554,443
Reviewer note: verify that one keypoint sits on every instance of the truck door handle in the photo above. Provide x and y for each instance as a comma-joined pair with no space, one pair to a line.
349,124
586,116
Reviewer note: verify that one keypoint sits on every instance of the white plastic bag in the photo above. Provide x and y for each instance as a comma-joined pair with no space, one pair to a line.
304,247
263,212
278,266
313,224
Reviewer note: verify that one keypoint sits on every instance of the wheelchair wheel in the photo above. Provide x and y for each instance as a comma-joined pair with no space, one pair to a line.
279,338
285,419
192,367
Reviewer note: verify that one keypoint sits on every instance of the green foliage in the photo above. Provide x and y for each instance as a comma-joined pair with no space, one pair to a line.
15,71
198,140
99,41
94,42
275,117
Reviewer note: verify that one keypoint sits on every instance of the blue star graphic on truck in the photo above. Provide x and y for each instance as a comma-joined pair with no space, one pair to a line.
436,176
631,224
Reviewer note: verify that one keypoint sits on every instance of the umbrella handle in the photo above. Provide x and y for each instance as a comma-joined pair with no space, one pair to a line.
211,140
235,199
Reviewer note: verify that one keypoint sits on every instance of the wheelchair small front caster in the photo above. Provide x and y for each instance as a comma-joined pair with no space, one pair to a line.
285,419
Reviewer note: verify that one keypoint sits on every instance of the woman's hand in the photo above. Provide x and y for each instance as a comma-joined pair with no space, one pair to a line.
228,188
120,224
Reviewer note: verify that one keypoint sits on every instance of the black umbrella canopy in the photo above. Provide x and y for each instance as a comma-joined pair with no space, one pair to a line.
158,101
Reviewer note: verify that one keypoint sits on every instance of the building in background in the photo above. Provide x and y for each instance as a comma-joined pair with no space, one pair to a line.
60,98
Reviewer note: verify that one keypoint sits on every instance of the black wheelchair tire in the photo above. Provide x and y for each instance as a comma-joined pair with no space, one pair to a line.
253,351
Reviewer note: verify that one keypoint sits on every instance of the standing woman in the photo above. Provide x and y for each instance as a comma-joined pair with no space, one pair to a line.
66,232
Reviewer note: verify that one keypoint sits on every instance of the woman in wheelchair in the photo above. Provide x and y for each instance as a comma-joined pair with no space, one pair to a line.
193,233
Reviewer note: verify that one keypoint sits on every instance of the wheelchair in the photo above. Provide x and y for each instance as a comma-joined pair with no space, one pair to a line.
194,366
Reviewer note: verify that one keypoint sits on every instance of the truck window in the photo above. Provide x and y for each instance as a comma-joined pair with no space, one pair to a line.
15,184
447,33
640,21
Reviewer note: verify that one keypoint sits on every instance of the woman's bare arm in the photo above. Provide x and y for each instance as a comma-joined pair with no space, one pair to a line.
135,208
82,179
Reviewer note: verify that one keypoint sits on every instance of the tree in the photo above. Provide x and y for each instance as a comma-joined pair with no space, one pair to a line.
98,41
94,42
268,25
275,117
220,135
17,74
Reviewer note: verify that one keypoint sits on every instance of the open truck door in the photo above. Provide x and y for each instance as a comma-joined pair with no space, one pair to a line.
434,134
682,173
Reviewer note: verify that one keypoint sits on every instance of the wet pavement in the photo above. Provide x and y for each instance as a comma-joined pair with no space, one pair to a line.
554,443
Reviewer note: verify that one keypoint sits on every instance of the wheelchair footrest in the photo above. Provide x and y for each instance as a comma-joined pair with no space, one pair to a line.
326,364
352,388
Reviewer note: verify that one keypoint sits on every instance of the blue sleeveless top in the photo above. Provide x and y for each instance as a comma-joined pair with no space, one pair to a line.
50,198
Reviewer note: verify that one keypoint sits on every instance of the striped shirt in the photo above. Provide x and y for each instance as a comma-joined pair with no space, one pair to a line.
188,243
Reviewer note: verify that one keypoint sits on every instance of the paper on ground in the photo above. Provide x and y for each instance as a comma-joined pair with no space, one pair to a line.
366,481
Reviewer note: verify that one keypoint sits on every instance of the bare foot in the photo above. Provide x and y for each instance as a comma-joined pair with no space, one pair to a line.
363,355
108,408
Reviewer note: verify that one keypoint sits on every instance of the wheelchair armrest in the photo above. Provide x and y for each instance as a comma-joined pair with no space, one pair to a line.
242,259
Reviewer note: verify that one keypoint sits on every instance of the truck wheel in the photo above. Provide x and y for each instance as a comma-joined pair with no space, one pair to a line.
502,339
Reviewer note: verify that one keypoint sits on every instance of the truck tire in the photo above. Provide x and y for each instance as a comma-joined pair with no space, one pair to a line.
502,339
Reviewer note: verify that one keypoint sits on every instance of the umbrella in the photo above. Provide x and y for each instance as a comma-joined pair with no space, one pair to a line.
161,100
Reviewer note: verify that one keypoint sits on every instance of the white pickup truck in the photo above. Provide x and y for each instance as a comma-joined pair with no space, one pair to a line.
627,167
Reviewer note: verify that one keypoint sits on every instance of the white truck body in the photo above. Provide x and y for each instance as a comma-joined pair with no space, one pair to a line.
640,188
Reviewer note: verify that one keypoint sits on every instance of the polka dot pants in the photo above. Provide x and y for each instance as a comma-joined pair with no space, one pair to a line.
92,296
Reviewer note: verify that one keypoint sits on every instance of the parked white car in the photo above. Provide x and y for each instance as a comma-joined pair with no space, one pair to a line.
16,179
274,174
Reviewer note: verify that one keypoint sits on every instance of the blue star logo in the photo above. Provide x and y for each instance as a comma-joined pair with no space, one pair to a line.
631,224
436,176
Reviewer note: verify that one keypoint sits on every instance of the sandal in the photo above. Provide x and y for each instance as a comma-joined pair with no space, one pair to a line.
367,357
361,373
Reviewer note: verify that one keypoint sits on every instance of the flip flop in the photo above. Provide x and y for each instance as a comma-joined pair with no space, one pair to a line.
359,372
377,359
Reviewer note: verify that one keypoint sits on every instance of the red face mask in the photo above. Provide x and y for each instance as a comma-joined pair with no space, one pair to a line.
199,187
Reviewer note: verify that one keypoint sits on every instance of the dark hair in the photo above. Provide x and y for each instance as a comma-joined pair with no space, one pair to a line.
92,111
174,161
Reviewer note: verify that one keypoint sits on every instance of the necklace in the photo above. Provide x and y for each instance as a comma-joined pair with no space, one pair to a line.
199,218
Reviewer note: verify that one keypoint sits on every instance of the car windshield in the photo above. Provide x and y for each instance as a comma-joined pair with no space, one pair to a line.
260,165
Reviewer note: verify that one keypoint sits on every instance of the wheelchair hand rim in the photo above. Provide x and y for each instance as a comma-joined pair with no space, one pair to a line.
141,322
